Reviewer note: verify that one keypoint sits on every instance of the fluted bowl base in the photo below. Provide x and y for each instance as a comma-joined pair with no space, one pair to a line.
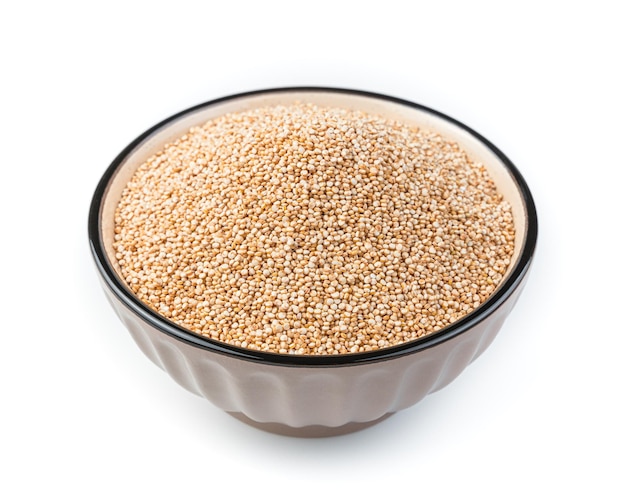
309,431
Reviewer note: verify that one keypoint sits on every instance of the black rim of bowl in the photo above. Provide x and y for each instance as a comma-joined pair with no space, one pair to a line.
118,287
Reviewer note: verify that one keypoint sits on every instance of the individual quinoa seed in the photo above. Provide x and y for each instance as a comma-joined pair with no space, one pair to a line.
310,230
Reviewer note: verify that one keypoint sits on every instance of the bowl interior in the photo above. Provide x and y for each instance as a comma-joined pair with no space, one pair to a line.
424,118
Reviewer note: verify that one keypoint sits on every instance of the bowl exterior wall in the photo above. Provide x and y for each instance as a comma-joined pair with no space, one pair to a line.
320,396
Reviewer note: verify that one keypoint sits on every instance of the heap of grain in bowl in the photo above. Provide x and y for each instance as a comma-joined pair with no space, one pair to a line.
309,230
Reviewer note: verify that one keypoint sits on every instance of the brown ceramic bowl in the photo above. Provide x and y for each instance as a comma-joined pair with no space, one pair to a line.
312,395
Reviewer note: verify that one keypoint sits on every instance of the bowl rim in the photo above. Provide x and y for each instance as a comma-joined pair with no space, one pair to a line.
159,322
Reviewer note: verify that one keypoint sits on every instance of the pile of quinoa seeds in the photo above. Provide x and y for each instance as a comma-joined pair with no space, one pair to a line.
309,230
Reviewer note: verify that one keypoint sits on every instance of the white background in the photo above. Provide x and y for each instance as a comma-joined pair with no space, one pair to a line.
541,413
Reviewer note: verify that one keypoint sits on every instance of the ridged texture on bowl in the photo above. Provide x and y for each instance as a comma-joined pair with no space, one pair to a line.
299,397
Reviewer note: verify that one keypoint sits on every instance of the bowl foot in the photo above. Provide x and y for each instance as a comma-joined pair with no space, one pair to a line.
309,431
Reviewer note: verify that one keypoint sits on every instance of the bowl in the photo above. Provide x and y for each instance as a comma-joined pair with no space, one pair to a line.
312,395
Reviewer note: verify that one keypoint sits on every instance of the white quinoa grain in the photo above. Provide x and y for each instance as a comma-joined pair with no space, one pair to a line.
307,230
